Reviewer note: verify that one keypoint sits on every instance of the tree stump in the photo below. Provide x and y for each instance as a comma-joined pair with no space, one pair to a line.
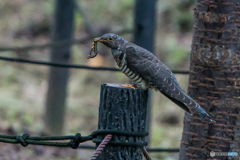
122,109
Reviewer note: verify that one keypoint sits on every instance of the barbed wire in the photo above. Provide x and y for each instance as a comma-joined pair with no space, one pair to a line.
58,43
21,60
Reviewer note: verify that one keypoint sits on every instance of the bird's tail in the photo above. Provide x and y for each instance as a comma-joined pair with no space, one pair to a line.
180,97
205,114
202,111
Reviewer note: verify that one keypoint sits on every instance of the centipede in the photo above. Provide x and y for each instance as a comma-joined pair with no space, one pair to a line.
94,50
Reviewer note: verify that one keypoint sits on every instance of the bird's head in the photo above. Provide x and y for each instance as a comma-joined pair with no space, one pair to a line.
111,40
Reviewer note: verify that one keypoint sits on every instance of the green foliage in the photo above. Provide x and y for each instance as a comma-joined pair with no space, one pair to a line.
28,118
176,52
12,115
78,19
48,7
157,136
185,21
110,13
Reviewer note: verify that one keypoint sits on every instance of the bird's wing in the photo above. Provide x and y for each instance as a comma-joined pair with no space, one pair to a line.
156,73
159,76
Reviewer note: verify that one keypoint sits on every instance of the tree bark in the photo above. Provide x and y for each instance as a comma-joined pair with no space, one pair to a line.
122,109
58,77
214,80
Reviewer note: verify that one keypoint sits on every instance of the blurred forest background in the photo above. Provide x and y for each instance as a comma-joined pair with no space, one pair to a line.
23,87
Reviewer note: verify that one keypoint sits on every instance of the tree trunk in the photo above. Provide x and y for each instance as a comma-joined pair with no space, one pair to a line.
58,77
214,81
144,31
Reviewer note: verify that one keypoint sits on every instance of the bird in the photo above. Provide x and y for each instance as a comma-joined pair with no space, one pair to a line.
147,71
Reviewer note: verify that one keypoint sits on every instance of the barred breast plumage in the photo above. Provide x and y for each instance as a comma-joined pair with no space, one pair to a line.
135,77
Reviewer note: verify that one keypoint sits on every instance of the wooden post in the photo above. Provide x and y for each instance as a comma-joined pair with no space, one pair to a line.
122,109
63,28
144,31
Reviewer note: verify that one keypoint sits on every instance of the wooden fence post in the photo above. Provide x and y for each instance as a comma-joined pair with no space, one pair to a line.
122,109
144,31
62,29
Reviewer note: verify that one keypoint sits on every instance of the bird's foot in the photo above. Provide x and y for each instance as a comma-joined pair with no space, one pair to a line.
127,86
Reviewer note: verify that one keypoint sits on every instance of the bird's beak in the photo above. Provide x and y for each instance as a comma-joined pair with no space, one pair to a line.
99,39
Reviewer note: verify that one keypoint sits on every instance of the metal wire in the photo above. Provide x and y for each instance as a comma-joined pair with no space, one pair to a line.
21,60
26,139
163,149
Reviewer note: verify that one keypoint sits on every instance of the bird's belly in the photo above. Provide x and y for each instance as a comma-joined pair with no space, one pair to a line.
136,78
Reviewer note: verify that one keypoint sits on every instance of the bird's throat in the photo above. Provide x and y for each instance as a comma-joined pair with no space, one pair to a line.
118,56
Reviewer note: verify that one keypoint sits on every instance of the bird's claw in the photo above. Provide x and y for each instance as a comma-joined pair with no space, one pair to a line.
127,86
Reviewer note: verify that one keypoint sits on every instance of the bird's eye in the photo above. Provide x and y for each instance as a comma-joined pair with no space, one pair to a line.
110,38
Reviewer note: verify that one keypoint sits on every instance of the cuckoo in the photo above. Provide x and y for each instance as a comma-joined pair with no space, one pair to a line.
147,71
